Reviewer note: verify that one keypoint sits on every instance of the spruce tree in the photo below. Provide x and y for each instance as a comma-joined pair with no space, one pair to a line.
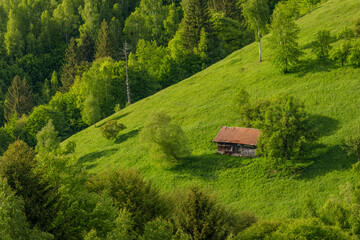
69,68
86,47
104,45
18,98
197,17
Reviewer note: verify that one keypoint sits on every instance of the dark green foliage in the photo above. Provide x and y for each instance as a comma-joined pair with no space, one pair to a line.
18,98
70,148
130,191
166,140
13,222
196,19
104,43
69,68
285,34
230,8
198,214
86,47
5,139
158,229
352,142
110,130
66,103
17,165
321,46
357,27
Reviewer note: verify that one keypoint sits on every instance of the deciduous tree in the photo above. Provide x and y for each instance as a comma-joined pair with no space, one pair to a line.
256,14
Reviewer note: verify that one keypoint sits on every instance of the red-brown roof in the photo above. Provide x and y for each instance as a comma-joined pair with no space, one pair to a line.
246,136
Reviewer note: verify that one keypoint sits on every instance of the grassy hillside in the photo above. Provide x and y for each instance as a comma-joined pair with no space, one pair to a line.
203,103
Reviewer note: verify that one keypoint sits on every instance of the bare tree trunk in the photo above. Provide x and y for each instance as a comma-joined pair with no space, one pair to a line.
125,50
259,44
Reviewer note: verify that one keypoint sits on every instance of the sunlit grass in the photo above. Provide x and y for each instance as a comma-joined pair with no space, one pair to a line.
203,103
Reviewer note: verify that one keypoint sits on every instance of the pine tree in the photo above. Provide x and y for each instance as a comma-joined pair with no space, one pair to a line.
104,45
69,68
197,17
18,98
86,47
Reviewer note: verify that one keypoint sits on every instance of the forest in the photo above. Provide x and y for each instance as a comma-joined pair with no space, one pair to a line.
65,65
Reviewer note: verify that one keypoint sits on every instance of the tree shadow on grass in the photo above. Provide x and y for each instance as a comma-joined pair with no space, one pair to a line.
114,118
89,159
327,159
123,137
207,166
314,66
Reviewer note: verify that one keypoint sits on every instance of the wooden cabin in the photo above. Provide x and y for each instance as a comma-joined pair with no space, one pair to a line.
236,141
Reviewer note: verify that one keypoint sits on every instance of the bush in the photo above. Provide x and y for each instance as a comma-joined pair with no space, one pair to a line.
198,214
166,139
322,44
111,129
130,191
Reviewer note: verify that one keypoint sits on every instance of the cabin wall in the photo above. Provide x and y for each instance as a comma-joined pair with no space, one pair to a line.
236,150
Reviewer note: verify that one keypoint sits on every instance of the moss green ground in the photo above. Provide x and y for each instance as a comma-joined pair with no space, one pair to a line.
203,103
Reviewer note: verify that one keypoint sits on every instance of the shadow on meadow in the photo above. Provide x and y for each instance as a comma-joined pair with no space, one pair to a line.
314,66
114,118
89,159
123,137
207,166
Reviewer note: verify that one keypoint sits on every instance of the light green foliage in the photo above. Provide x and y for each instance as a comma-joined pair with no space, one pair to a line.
54,83
352,143
203,103
104,43
256,14
130,191
198,214
286,131
308,229
357,27
13,222
284,38
18,98
91,112
47,139
167,141
354,57
70,148
91,18
259,230
111,129
158,229
66,18
13,39
321,46
241,98
41,115
341,52
124,227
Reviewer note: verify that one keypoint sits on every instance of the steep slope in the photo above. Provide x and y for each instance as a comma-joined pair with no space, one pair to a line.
203,103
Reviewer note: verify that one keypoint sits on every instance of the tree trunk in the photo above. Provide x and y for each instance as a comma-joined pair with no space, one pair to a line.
127,74
259,44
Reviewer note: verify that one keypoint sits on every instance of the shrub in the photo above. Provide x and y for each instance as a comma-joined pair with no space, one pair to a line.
198,214
111,129
166,139
322,44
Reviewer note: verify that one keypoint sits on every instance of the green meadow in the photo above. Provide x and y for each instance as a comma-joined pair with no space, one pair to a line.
203,103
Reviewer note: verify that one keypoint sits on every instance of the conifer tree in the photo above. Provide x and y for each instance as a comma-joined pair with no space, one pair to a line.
18,98
104,45
86,47
68,71
197,17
